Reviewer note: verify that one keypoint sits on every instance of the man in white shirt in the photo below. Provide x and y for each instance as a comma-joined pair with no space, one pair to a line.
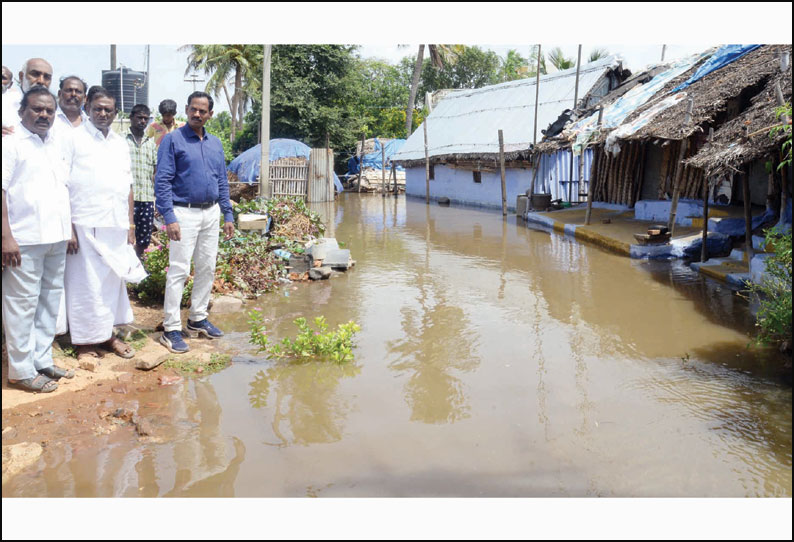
71,97
36,71
100,192
69,117
36,230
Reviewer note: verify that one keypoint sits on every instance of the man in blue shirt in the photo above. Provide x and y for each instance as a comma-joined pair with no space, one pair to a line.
189,185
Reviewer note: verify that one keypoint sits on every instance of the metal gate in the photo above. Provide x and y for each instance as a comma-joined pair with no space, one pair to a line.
289,176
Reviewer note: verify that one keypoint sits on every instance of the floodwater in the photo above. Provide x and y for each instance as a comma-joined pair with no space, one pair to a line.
493,361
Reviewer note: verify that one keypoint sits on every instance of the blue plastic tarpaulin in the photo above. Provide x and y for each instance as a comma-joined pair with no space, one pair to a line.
373,159
721,57
246,166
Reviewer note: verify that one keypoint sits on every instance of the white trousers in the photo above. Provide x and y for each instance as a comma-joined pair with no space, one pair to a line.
199,228
31,295
96,296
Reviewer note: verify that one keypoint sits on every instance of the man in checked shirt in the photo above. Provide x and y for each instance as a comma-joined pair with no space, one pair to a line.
143,153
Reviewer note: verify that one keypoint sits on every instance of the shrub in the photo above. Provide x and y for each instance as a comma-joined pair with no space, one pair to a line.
321,343
774,313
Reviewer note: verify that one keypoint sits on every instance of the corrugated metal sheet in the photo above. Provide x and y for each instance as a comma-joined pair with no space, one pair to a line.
468,121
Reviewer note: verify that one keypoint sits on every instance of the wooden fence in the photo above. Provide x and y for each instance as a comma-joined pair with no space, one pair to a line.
289,176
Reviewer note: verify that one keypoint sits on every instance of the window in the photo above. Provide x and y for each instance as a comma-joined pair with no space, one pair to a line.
477,176
432,172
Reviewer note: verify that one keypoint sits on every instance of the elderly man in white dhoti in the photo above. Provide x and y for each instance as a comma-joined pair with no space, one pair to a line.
100,192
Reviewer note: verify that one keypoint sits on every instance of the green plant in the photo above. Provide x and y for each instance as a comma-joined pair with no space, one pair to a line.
321,343
774,313
191,366
155,261
138,339
785,148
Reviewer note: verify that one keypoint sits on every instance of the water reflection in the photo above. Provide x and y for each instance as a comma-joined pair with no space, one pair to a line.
306,406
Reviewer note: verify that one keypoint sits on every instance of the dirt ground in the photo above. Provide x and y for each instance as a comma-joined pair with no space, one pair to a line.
98,402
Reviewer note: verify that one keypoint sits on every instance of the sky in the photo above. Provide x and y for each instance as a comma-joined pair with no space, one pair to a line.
377,29
75,37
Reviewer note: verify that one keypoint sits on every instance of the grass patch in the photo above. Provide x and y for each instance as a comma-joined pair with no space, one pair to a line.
138,339
194,366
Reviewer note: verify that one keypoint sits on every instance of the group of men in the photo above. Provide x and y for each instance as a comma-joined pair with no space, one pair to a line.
76,199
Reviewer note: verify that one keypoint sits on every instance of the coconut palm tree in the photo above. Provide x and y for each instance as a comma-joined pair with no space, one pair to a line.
533,63
224,64
439,55
559,61
597,54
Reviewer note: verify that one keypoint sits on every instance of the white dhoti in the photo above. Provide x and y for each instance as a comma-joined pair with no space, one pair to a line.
96,283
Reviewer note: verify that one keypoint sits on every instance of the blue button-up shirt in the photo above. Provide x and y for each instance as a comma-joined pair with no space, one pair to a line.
191,170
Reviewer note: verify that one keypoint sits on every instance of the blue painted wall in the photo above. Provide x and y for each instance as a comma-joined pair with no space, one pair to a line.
458,185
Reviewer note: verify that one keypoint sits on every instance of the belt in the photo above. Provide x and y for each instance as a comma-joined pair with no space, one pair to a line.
195,205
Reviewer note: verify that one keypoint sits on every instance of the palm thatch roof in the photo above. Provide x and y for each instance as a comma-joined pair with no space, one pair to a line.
712,95
746,138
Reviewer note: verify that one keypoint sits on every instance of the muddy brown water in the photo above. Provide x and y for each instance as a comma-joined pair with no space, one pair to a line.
493,360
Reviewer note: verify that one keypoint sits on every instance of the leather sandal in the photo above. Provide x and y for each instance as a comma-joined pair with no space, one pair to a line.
56,373
39,383
120,348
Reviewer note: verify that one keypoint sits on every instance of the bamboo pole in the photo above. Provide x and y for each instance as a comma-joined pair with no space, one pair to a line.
537,94
679,169
784,118
427,167
502,171
360,164
592,169
382,171
704,253
640,175
575,100
748,219
265,190
394,176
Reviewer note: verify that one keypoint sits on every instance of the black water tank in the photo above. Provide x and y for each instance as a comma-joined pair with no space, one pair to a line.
136,87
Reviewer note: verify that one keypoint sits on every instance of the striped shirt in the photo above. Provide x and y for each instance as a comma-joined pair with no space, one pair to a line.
144,160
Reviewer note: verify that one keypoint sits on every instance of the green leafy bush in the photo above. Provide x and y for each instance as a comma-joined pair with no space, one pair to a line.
774,314
155,261
336,345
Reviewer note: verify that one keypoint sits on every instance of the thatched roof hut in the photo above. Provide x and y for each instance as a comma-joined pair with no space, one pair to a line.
745,138
717,97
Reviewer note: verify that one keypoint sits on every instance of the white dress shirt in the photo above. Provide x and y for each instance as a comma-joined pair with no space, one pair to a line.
35,179
11,100
100,179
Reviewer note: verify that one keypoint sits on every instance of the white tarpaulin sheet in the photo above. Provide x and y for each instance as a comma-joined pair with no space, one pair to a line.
616,112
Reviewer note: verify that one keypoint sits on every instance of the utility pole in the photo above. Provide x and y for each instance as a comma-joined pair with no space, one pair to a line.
194,79
664,47
575,99
264,164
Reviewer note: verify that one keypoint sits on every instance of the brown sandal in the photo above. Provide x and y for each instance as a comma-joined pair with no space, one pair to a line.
120,348
87,351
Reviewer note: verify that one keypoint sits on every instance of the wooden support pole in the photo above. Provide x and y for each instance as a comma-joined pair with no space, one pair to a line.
784,119
679,169
382,170
537,95
534,180
502,170
427,167
575,100
360,164
394,176
748,218
265,190
704,253
590,186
